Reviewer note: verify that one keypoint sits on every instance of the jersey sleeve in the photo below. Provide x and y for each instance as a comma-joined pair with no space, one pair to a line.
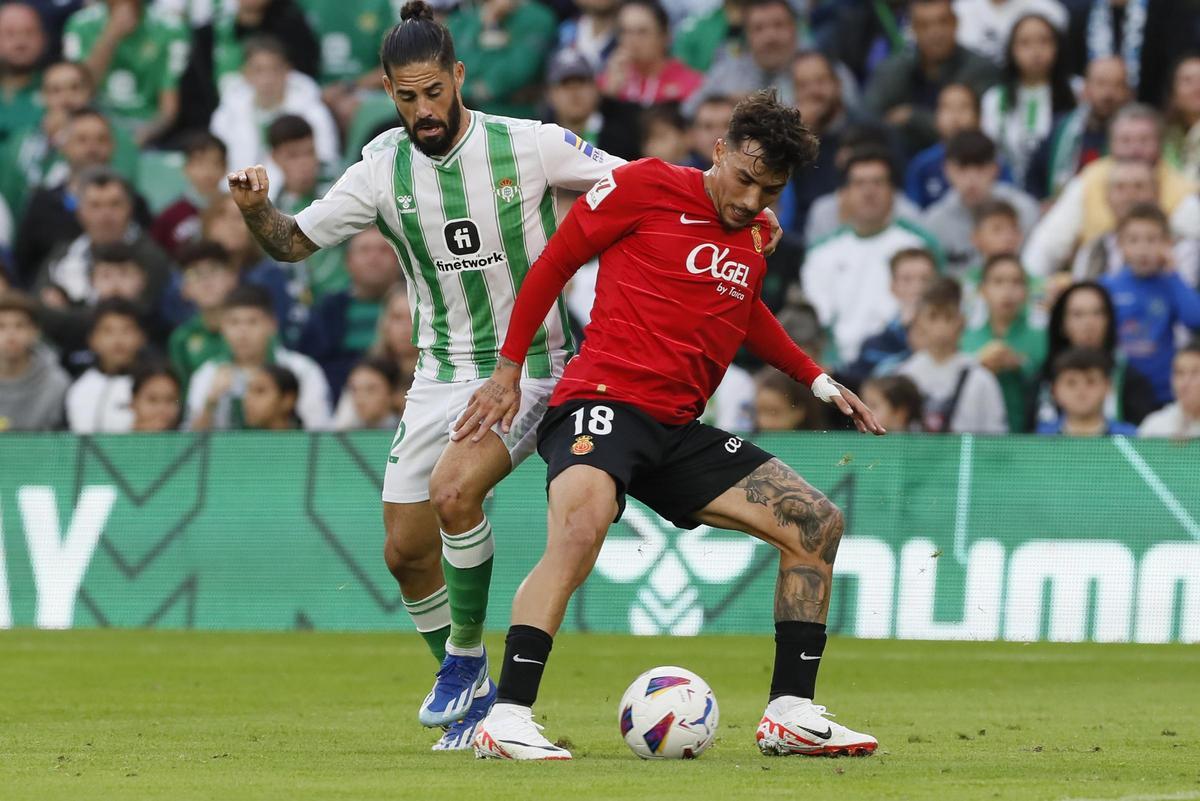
347,208
570,162
615,203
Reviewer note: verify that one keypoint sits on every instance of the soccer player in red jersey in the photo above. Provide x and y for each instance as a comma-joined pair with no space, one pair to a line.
681,268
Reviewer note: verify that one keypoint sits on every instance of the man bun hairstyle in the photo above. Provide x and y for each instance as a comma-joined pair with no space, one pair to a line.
416,38
787,145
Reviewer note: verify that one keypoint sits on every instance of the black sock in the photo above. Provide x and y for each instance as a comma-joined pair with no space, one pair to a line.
798,649
526,650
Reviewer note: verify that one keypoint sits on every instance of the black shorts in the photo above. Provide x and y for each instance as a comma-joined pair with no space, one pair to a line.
675,470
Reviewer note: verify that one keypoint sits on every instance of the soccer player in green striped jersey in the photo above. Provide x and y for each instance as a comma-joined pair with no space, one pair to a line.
468,202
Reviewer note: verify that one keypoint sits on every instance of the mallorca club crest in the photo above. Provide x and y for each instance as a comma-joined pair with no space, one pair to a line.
756,235
506,190
583,445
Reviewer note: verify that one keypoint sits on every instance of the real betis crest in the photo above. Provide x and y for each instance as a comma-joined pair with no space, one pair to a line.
506,190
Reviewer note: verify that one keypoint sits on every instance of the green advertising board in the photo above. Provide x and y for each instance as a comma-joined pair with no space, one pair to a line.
980,538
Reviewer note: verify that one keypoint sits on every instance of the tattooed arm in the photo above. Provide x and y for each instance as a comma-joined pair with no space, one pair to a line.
277,232
497,401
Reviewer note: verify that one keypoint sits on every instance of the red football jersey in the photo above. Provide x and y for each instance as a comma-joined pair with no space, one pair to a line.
675,293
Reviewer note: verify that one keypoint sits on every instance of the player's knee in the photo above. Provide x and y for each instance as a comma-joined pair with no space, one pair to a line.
580,534
453,505
407,559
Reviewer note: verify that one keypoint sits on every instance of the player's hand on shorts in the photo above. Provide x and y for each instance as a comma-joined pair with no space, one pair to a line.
497,401
248,187
776,231
848,404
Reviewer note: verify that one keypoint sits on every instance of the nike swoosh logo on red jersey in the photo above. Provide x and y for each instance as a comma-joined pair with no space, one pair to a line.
683,218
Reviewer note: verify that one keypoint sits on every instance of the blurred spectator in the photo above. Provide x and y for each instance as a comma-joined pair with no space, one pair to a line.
913,271
1147,34
828,213
708,124
1081,382
1083,317
766,64
997,232
270,400
846,276
1082,212
54,15
1007,344
349,39
593,34
1181,149
209,275
504,44
664,134
32,157
985,25
99,400
50,217
342,326
1081,136
215,396
156,395
136,56
1180,420
783,404
707,37
1019,112
640,70
577,105
32,384
865,35
106,216
896,402
904,89
271,89
372,389
1129,184
959,394
1150,299
223,223
22,45
394,334
205,167
925,180
972,170
818,92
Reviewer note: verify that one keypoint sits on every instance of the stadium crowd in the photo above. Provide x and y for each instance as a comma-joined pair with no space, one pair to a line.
1001,232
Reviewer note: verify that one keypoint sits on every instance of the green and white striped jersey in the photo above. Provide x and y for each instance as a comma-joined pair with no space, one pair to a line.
466,226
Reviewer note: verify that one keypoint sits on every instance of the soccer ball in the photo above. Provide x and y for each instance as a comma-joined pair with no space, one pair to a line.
668,713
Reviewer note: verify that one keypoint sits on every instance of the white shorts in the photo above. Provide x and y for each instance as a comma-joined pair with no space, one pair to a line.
432,409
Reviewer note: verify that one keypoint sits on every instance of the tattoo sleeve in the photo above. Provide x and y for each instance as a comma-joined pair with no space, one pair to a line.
794,502
802,593
279,234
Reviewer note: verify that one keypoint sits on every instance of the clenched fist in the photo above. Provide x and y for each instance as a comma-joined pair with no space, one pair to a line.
248,187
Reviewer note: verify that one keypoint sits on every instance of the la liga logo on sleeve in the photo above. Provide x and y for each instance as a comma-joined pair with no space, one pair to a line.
602,189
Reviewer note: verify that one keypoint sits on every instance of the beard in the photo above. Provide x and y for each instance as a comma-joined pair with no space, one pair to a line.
437,146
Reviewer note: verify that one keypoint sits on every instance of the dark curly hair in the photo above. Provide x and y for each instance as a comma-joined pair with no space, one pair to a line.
786,143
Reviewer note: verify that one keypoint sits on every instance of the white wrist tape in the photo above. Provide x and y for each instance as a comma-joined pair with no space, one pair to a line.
824,388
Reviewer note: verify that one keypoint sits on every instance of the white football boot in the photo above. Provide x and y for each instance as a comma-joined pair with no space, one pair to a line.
508,732
794,725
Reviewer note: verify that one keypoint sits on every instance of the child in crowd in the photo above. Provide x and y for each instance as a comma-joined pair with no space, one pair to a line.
1150,298
664,134
205,169
156,398
99,400
913,270
782,404
270,400
1007,344
959,395
32,384
996,232
248,326
209,275
896,402
1180,420
957,110
1081,383
373,385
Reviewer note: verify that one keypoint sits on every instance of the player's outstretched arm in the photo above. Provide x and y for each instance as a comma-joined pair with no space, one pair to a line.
277,232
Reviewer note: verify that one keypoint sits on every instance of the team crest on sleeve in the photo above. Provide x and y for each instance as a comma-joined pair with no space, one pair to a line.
756,235
506,190
602,189
582,446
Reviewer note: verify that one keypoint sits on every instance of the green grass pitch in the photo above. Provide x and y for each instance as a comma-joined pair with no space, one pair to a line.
187,715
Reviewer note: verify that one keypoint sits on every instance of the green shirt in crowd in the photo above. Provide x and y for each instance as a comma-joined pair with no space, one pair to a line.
349,40
27,161
191,345
504,66
1017,386
362,317
20,109
146,63
701,38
